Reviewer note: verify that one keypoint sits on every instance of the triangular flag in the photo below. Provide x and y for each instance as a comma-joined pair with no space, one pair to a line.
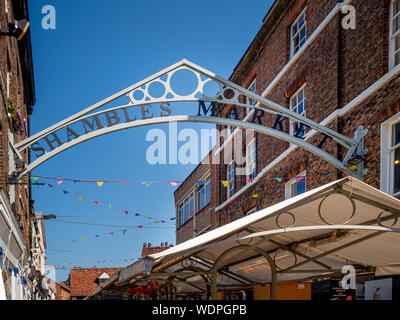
59,181
97,236
174,184
97,202
80,198
146,184
250,180
111,233
137,214
277,179
34,178
156,221
50,185
124,231
232,202
100,183
255,196
225,183
352,168
124,182
200,183
172,219
211,209
299,179
83,238
126,212
276,189
110,206
140,227
65,192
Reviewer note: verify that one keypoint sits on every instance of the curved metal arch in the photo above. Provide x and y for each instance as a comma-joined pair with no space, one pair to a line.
213,120
224,85
258,250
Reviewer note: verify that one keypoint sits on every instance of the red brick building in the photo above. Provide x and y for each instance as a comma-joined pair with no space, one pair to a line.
304,58
63,291
149,249
85,281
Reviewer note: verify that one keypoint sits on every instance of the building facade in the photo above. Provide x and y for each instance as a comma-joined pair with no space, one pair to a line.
85,281
63,291
17,93
313,58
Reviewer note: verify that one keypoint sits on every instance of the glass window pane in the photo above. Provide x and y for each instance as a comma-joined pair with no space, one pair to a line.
396,188
397,43
396,134
300,187
396,7
396,24
397,58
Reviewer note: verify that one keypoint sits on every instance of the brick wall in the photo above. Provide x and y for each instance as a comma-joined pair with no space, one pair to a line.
10,63
337,67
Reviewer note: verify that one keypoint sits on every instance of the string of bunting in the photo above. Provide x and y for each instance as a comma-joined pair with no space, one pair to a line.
82,265
109,206
98,235
174,183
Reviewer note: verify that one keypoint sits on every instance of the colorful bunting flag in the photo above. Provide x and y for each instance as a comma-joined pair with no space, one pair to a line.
277,179
100,183
124,232
174,184
225,183
255,196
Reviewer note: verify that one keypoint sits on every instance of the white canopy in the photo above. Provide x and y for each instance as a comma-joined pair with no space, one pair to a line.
310,236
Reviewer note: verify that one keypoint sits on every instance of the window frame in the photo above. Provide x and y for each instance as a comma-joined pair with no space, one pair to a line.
231,182
293,36
206,183
290,184
181,205
388,150
294,108
393,36
249,161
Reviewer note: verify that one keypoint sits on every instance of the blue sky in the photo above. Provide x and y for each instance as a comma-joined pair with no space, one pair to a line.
100,47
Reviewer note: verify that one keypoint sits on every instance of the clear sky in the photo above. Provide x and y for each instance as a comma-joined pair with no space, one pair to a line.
98,48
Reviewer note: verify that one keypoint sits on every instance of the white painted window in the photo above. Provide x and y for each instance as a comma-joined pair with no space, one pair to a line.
186,209
230,128
231,179
298,104
251,154
298,33
296,186
390,156
204,194
250,101
394,33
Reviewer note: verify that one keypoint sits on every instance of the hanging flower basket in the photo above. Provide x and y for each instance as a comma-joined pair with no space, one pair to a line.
15,118
151,288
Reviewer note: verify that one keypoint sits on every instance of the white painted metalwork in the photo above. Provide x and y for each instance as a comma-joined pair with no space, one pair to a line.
228,93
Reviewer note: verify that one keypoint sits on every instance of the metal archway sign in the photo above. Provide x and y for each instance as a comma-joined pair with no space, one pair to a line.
91,123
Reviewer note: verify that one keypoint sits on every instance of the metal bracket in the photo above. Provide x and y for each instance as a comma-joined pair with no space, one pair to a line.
354,159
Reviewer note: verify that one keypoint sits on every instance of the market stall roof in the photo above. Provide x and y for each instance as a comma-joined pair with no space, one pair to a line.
309,236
